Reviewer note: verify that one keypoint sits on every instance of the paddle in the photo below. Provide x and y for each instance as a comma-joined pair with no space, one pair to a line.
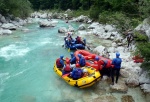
88,48
68,49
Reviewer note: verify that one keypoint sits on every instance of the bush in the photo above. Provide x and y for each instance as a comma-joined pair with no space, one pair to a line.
146,66
121,20
144,50
140,37
94,12
78,13
21,8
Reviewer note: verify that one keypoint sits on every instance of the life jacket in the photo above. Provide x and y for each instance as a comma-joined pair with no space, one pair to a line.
102,64
76,73
58,63
105,63
82,62
78,40
73,60
67,68
117,62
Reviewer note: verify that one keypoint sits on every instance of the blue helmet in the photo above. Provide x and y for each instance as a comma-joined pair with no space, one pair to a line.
96,58
117,54
79,55
71,54
61,56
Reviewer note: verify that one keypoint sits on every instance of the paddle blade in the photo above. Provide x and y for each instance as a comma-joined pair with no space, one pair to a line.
69,50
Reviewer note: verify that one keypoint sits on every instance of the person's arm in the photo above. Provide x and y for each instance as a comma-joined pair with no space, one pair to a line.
113,62
62,62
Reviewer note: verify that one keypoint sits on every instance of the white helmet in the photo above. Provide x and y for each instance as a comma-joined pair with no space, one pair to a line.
85,71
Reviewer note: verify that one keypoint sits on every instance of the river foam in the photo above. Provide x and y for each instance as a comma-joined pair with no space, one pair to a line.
12,50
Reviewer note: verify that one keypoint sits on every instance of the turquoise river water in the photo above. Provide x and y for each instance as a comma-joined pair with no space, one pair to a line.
26,68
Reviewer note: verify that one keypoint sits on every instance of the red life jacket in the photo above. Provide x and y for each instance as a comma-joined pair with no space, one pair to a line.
79,40
58,63
67,68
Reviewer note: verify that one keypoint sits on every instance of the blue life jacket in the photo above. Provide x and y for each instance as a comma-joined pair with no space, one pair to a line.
73,60
82,62
117,62
76,73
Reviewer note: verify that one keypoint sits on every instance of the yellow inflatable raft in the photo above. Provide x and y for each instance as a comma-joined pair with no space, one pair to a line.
83,82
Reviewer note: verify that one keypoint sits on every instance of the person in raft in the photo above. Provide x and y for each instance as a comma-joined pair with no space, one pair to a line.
78,40
85,73
73,58
76,73
68,40
60,62
117,65
104,66
66,69
81,60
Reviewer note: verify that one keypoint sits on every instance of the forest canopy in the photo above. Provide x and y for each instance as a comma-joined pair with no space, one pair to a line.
22,8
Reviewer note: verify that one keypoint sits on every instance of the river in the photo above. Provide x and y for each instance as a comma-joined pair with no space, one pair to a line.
26,69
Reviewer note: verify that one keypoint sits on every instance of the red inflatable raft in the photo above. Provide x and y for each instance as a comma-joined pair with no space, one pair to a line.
90,58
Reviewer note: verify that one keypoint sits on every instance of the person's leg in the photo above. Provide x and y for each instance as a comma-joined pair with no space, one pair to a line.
128,43
117,74
102,72
108,72
112,75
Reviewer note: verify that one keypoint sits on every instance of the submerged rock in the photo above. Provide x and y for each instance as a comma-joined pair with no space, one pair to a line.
108,98
119,87
127,98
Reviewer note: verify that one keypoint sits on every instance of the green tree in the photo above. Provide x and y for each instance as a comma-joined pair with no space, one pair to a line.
86,4
35,4
21,8
144,8
144,50
76,4
65,4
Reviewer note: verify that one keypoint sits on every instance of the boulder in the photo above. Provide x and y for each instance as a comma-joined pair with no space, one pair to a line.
145,26
62,30
101,50
70,29
145,88
144,78
109,28
9,26
5,32
124,73
132,81
93,25
105,98
3,20
82,27
45,23
82,19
